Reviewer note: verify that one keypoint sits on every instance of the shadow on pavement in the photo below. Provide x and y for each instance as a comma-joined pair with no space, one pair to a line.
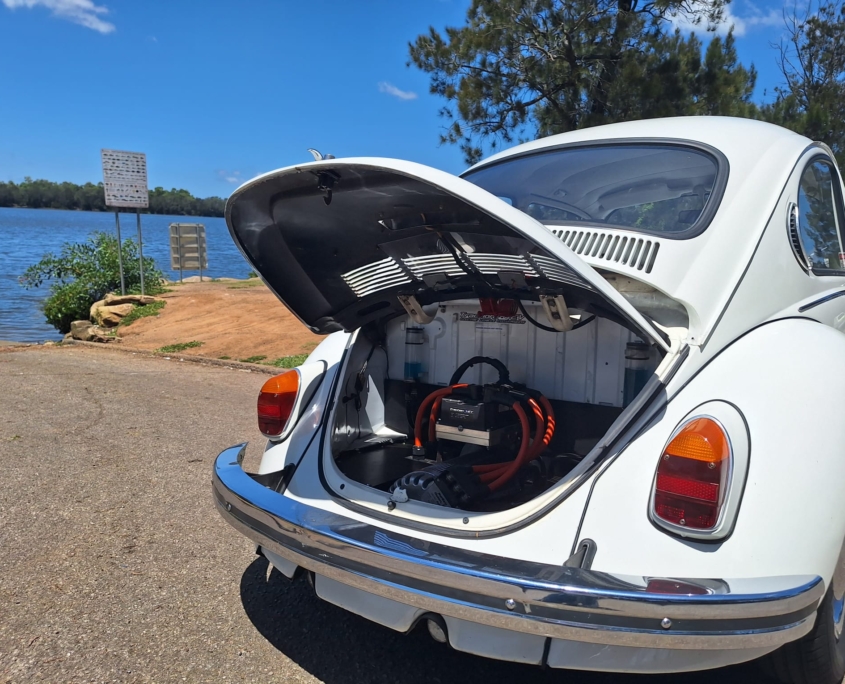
338,647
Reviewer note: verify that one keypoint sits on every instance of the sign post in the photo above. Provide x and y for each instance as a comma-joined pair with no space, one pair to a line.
125,184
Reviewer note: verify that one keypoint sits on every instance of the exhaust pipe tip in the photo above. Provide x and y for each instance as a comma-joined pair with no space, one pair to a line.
437,629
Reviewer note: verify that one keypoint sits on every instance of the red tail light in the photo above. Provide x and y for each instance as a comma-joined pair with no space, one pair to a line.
276,402
692,477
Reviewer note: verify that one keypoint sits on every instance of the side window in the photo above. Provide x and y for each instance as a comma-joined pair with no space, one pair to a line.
820,218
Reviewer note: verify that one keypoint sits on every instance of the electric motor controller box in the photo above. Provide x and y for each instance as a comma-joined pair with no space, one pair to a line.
474,414
474,421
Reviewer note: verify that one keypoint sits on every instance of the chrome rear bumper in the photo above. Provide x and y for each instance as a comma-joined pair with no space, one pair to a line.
549,601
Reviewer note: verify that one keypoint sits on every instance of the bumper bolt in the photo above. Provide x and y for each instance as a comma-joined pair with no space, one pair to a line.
666,623
510,604
228,507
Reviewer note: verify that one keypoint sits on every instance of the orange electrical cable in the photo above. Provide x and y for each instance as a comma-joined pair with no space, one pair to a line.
490,473
550,419
424,406
432,419
539,433
517,463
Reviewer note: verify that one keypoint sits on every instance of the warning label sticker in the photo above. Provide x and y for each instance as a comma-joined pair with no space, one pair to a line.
467,317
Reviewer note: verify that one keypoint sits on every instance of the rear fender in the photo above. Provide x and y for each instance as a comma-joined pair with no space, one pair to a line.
278,455
787,378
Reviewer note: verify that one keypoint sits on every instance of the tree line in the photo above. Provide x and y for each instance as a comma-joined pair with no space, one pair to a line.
44,194
520,69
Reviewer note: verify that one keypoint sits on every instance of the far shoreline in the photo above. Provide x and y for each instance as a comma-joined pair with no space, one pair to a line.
97,211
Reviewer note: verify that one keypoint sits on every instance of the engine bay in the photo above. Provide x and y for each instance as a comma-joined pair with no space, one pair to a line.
493,431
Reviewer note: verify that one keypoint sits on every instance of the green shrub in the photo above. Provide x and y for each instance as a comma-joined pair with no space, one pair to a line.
253,359
179,346
84,273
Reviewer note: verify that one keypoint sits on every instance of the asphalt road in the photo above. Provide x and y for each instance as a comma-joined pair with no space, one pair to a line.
115,566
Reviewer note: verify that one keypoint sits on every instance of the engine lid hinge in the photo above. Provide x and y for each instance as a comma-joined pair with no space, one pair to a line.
414,309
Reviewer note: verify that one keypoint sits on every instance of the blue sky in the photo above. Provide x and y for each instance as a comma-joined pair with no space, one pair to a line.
219,91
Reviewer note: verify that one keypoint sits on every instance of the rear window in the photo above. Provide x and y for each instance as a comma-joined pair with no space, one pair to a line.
670,189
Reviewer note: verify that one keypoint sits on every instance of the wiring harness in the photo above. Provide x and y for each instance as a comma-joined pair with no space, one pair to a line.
456,482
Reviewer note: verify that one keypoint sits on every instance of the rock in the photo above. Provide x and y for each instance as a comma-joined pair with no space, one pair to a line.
85,331
140,300
208,279
109,316
78,329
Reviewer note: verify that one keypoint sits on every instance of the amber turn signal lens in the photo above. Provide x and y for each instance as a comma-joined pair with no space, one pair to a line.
702,439
276,401
692,476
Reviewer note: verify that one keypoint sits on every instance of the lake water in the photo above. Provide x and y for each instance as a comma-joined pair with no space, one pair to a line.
27,234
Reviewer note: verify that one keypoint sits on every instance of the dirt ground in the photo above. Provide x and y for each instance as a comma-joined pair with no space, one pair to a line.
238,319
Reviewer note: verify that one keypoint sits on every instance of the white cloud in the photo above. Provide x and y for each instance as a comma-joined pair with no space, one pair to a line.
740,24
82,12
390,89
233,177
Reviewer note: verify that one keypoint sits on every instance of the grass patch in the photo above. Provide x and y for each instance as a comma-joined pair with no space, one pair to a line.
153,309
245,284
289,361
179,346
225,358
253,359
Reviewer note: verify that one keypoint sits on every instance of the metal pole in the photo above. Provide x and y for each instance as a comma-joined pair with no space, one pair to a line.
119,252
140,248
199,249
179,243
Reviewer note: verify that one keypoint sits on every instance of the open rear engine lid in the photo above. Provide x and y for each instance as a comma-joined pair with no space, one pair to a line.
339,240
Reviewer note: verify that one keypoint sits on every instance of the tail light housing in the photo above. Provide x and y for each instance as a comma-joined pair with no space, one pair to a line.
701,475
276,403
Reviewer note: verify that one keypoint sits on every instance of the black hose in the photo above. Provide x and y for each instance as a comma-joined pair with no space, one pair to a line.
504,375
579,324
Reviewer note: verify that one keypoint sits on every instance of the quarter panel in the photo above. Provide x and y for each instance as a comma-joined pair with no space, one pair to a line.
788,380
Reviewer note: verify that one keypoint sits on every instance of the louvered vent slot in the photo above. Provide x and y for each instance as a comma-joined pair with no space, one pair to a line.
436,263
374,277
493,263
795,237
636,253
554,270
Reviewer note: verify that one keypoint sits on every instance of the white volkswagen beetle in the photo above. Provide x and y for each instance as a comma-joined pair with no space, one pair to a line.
583,406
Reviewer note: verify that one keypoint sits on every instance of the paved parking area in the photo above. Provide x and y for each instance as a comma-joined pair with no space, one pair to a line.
115,567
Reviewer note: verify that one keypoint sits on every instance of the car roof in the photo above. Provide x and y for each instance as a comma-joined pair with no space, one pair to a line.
726,134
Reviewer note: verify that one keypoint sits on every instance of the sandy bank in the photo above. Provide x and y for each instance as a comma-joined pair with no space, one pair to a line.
239,319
